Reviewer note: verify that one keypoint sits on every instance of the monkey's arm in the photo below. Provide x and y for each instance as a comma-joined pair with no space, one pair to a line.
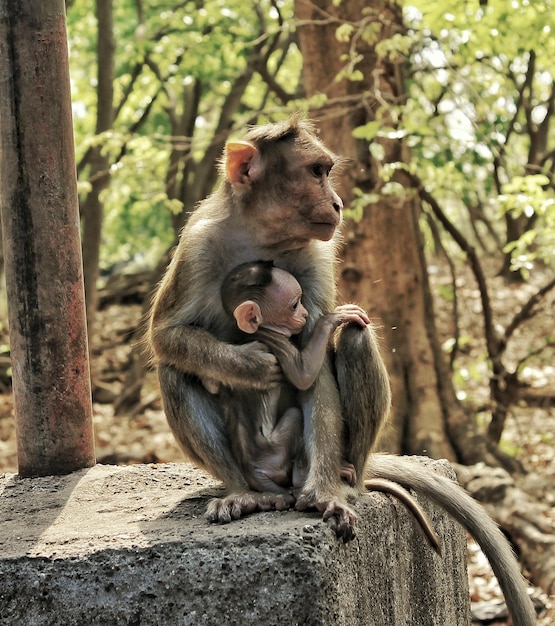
301,368
196,351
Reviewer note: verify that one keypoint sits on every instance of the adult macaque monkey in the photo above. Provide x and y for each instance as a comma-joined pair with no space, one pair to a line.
276,202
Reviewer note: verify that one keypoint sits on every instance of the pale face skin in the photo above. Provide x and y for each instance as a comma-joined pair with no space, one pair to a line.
282,309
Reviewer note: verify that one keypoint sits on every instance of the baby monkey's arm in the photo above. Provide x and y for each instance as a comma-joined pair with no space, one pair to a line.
301,368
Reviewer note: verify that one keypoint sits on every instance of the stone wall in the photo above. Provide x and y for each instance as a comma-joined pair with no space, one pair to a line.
128,545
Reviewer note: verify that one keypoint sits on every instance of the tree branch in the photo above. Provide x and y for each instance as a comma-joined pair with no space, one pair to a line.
497,161
492,341
526,312
457,332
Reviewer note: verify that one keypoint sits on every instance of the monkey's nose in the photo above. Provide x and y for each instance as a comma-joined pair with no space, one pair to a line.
337,203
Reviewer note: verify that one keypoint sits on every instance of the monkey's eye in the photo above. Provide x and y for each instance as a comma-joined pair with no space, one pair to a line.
318,170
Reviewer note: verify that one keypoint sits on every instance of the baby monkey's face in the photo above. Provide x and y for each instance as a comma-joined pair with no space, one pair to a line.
282,306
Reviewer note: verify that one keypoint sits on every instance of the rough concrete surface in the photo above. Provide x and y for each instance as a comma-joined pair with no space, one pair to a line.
129,546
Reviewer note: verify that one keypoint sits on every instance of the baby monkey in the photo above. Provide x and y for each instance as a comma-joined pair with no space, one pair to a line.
265,428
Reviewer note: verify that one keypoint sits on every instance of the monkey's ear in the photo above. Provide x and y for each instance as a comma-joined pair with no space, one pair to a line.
248,316
242,162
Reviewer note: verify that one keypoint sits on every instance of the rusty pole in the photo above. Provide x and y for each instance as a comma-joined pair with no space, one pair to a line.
44,277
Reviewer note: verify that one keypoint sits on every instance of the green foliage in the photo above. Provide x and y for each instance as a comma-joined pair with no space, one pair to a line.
164,53
478,109
509,446
344,32
396,48
360,201
446,292
477,115
468,120
531,197
368,131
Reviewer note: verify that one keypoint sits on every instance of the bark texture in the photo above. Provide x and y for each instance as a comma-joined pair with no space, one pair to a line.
384,268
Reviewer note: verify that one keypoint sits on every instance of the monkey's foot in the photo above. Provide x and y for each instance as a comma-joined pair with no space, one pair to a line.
339,516
237,505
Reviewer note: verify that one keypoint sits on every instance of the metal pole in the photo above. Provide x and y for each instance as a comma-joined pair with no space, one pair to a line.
38,201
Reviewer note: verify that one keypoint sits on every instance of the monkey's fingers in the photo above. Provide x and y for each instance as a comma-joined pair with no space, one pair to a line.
356,318
217,512
343,529
348,473
231,507
352,313
304,502
341,519
275,375
237,505
255,366
283,502
267,366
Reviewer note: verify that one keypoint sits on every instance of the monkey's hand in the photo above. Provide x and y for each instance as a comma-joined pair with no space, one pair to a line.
255,367
336,513
237,505
348,314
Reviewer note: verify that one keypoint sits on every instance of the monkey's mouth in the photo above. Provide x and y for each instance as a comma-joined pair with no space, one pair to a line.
323,230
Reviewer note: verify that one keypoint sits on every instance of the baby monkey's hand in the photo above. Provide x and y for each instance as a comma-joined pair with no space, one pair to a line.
347,314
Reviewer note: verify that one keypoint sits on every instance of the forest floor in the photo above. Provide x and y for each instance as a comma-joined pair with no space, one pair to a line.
142,435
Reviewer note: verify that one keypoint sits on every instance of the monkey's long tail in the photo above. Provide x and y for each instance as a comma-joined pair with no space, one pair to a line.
468,512
387,486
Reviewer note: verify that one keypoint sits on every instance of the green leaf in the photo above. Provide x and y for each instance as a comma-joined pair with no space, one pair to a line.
377,151
368,131
344,32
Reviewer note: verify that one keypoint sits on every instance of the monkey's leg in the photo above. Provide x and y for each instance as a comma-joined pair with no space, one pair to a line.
323,488
287,432
364,392
196,422
271,456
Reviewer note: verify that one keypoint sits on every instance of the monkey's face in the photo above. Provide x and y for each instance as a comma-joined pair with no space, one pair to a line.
287,195
312,208
282,309
321,206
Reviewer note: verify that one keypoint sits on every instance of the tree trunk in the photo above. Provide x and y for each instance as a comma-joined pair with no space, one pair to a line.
92,209
384,268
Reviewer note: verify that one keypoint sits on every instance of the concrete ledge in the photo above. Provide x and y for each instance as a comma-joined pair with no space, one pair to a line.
129,546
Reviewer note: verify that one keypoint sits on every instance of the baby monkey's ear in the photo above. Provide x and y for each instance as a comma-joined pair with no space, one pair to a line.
248,316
